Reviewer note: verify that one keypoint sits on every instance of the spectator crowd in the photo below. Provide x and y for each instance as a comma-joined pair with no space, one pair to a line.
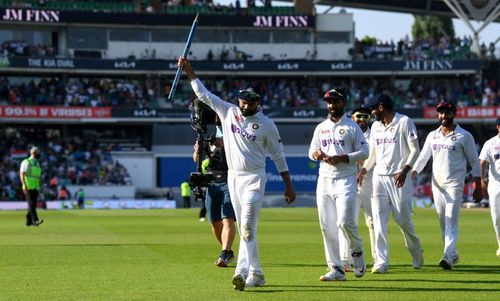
277,92
77,92
19,47
75,160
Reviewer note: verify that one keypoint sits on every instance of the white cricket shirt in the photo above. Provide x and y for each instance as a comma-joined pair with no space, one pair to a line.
450,155
341,138
491,154
247,140
391,144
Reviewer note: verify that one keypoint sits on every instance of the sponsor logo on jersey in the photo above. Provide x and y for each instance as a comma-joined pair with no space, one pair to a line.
238,118
380,141
443,147
326,142
325,131
237,130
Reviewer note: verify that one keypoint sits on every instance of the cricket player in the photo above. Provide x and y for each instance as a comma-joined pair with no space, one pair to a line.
490,157
451,148
394,148
249,136
362,117
338,143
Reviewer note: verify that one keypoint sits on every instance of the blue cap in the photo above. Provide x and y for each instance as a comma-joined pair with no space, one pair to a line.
248,95
383,99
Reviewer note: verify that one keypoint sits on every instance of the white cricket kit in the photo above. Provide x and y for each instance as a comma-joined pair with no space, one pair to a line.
491,154
336,188
391,146
247,142
363,199
450,155
365,192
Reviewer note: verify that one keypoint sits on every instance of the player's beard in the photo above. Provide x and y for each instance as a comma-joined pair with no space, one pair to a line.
247,113
336,113
363,126
447,121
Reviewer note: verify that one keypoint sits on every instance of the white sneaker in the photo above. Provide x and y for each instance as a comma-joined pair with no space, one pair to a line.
359,264
335,274
418,260
255,280
239,282
379,269
498,252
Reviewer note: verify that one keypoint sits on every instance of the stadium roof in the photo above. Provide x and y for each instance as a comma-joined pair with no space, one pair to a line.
422,7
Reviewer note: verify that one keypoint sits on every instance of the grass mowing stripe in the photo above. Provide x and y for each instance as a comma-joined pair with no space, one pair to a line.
168,255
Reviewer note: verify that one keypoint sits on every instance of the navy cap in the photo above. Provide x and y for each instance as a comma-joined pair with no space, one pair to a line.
334,94
383,99
362,109
498,121
446,106
248,95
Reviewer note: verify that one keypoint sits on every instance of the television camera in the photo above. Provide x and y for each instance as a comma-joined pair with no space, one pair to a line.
201,116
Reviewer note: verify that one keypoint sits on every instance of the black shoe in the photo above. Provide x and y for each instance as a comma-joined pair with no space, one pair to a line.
223,260
230,255
38,223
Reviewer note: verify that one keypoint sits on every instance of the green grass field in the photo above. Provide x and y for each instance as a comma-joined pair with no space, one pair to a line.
168,255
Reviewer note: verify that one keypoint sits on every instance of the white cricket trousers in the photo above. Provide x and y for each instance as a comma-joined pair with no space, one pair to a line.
363,199
387,197
494,193
448,202
247,194
336,199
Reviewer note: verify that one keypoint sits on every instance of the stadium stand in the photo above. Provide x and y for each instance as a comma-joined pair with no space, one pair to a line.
97,73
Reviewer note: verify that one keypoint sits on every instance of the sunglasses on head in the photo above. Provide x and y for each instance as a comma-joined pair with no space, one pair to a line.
362,116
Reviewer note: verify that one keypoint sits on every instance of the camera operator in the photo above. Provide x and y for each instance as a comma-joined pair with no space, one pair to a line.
217,201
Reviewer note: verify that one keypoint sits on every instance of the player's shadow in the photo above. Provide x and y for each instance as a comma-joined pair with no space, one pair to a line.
336,287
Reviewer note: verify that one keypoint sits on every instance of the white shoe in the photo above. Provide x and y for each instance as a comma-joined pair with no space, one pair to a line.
255,280
335,274
359,264
239,282
379,269
202,219
498,252
418,260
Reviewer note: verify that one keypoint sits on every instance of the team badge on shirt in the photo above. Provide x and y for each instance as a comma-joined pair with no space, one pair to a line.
255,126
453,138
392,130
342,131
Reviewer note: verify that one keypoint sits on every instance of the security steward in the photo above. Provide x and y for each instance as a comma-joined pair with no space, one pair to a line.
29,173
